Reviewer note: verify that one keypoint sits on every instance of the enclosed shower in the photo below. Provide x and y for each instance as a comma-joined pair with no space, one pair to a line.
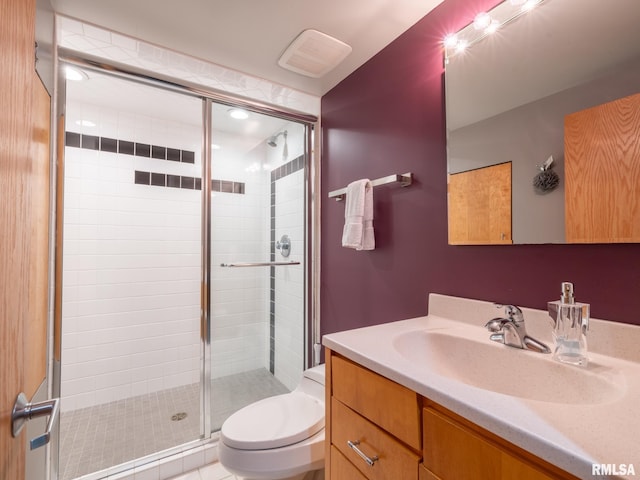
180,301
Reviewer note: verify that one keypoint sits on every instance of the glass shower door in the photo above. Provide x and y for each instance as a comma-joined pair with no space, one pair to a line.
257,258
133,373
131,347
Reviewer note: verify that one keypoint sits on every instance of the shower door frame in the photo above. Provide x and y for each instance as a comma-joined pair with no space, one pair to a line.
312,226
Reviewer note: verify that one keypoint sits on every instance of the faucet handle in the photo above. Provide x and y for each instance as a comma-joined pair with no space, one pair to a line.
495,324
512,312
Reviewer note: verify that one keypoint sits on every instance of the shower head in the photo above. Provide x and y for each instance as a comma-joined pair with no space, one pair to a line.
272,142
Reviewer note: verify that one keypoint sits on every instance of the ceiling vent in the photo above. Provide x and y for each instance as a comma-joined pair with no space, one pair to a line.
313,54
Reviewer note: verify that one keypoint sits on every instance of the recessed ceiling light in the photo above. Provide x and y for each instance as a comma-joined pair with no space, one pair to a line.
215,146
238,113
75,74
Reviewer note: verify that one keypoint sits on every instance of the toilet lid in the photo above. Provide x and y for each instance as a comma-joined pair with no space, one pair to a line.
274,422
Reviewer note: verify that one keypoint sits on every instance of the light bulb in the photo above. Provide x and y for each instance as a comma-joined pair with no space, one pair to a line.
492,27
530,5
482,21
450,40
461,46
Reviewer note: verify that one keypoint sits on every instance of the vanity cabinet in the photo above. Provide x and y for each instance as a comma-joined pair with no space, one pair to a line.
374,425
377,429
455,448
343,468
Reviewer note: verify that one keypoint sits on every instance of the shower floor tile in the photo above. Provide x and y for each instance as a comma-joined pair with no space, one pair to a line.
95,438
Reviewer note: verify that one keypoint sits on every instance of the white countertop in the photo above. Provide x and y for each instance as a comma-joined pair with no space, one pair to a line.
604,429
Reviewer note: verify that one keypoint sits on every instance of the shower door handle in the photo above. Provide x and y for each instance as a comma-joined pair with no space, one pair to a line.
24,411
258,264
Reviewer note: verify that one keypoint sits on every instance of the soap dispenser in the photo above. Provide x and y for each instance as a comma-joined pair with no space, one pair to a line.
570,324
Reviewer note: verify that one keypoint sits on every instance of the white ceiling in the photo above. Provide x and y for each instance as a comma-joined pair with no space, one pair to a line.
250,35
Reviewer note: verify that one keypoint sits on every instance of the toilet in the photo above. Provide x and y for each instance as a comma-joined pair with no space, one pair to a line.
280,437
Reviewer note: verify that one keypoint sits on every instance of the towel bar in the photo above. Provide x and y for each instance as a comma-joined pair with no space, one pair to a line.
405,180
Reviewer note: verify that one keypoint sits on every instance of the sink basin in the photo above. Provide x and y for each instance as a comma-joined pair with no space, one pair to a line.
491,366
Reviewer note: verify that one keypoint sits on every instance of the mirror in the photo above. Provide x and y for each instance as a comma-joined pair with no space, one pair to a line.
507,98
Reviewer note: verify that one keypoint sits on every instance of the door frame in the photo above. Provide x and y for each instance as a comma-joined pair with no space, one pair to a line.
24,232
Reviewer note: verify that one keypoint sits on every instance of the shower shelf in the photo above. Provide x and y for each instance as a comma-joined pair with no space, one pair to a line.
404,180
258,264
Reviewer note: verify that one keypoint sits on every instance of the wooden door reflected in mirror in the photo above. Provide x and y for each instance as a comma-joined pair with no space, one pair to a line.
602,165
480,206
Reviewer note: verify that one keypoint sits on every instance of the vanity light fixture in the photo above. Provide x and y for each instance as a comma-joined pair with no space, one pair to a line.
486,23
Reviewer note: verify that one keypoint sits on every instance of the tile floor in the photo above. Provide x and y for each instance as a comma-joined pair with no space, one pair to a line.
214,471
95,438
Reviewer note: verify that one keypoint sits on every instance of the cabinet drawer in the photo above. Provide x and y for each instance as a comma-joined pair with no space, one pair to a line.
452,451
342,469
426,474
386,403
395,460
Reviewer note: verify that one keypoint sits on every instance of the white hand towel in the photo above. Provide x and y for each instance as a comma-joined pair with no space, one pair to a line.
358,214
368,237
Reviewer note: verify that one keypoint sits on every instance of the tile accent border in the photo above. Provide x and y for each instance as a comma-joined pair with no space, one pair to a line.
125,147
276,174
155,179
112,145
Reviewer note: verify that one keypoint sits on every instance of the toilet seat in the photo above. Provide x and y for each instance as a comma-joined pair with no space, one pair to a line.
274,422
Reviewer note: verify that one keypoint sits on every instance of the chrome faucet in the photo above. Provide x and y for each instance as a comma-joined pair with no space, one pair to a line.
511,331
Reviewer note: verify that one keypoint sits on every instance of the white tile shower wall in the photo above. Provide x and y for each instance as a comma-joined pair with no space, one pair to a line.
239,296
289,280
289,286
240,233
131,266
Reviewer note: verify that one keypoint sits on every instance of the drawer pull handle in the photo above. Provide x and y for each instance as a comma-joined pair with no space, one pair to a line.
354,446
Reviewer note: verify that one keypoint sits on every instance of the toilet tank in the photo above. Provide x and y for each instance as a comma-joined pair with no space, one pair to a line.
312,382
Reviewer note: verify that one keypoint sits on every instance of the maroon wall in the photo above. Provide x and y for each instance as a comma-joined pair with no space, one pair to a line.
388,117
